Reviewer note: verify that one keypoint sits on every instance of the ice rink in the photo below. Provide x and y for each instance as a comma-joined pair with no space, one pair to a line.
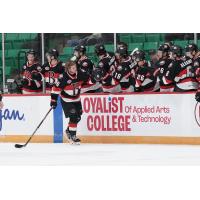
99,154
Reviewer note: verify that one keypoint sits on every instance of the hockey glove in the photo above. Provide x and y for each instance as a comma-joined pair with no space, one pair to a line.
54,98
53,103
197,96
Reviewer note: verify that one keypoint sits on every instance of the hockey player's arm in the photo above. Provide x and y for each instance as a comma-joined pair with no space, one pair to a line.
170,74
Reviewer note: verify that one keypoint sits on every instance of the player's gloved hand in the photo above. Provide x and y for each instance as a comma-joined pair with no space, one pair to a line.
53,103
36,76
25,82
197,96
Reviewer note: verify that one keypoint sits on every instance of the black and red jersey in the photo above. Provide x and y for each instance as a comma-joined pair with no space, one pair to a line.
122,73
182,74
145,81
69,87
161,68
106,65
51,73
32,86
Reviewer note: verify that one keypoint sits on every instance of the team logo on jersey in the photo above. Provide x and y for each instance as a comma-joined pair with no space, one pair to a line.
46,68
69,81
197,113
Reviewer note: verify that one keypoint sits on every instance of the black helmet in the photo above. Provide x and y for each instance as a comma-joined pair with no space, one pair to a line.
122,44
164,48
31,51
122,51
139,55
80,48
100,49
191,47
175,49
54,53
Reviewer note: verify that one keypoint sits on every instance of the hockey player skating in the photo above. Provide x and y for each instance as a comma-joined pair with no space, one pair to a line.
69,87
53,69
31,74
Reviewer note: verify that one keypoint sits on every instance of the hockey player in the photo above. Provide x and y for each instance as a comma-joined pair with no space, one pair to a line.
83,62
53,69
106,65
122,73
180,72
162,67
69,87
31,74
145,81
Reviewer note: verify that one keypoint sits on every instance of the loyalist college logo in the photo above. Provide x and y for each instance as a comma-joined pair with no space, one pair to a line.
10,115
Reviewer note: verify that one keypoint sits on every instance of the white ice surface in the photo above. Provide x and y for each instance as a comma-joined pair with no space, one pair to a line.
99,154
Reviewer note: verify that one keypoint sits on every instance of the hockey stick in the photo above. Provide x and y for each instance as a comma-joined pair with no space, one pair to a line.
23,145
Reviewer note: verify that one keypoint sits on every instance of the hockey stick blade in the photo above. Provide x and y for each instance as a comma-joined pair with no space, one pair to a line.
19,145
